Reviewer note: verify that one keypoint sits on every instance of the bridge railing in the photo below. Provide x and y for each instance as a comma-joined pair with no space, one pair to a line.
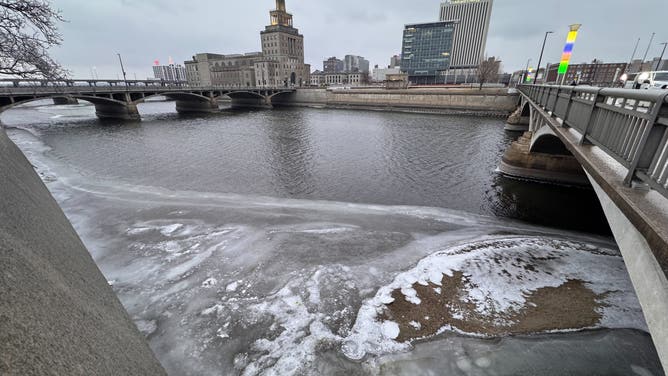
37,88
629,125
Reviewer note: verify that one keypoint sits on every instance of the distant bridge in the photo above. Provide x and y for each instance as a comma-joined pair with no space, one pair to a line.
118,99
619,138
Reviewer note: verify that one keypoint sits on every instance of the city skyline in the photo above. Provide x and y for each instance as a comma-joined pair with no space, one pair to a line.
94,33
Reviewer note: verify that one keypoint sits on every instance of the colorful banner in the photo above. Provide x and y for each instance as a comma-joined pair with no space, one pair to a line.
568,49
530,75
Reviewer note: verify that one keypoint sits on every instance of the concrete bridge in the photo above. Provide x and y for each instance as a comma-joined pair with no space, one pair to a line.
115,99
617,141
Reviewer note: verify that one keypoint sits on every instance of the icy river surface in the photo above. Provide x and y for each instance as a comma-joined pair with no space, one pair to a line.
317,242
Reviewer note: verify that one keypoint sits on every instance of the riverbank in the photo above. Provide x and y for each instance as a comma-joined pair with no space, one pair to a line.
486,102
59,315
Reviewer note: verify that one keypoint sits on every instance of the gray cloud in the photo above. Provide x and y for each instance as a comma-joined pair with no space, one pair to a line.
145,30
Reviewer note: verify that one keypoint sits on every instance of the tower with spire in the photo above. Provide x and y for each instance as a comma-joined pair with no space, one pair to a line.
283,50
280,16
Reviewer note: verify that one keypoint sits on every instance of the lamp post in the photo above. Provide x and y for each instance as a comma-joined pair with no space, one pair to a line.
540,60
658,63
647,51
628,67
125,78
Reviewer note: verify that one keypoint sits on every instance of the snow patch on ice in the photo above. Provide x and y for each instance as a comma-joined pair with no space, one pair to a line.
232,286
169,230
390,329
500,273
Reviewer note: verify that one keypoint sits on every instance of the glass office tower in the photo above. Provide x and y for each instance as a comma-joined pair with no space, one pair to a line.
427,51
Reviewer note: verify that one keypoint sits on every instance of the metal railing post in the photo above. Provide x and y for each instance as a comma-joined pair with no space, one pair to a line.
556,100
568,108
597,99
646,149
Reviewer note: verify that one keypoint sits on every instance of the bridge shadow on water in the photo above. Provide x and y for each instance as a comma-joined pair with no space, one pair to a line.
564,207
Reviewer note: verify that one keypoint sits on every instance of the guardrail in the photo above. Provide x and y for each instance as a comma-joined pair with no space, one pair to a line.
77,89
629,125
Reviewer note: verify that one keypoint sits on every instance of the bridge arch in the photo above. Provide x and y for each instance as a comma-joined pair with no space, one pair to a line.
91,99
105,107
280,93
545,141
244,94
183,96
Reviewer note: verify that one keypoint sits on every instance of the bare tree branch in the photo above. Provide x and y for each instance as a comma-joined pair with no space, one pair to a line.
488,71
28,28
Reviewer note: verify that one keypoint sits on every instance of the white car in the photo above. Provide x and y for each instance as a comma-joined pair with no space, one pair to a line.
653,80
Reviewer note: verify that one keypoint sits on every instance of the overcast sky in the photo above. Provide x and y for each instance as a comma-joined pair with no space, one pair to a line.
146,30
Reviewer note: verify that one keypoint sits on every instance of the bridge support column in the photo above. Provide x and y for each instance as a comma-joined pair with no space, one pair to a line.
117,111
517,122
649,280
255,102
193,106
519,162
65,100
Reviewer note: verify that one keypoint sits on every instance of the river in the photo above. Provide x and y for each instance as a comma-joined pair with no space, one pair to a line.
312,241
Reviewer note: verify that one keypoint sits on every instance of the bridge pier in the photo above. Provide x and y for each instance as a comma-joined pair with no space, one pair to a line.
518,161
67,100
517,122
117,111
194,106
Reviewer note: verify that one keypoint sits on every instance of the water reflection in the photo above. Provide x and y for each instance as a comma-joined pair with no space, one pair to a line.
573,208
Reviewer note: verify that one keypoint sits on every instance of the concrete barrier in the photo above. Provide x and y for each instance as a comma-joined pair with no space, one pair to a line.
465,101
58,315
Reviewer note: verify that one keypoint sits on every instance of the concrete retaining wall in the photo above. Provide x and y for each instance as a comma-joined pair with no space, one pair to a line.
486,102
58,315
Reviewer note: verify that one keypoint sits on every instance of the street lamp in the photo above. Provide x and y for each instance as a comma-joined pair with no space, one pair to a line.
540,60
648,47
658,63
125,78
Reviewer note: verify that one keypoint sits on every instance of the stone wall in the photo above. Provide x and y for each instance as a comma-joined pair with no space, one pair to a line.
486,101
58,314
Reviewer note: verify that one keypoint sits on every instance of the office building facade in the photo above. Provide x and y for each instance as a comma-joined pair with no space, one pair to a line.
332,65
171,72
472,18
596,73
427,51
346,79
354,64
395,61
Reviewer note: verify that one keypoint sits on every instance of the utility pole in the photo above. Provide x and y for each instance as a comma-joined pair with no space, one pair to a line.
658,64
125,78
540,60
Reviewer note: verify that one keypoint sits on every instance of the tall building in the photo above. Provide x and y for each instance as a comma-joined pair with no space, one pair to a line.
472,26
352,63
426,51
332,65
169,72
395,61
283,49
